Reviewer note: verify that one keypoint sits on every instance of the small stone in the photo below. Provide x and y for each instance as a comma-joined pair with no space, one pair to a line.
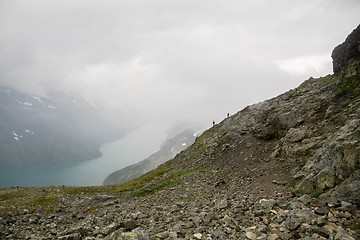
275,181
321,232
305,199
222,204
207,219
177,228
227,219
262,237
252,228
259,212
329,228
273,236
33,220
273,211
130,225
261,228
317,236
250,235
73,236
217,234
334,214
322,211
345,206
346,215
198,235
320,221
292,222
304,228
342,235
163,235
197,220
267,203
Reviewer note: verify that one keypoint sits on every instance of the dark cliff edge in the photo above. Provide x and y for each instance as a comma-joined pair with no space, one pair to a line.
346,56
285,168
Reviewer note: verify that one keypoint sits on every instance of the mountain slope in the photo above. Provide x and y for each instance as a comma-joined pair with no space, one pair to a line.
286,168
35,130
169,149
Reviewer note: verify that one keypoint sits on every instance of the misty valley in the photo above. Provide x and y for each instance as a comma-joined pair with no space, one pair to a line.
115,155
61,139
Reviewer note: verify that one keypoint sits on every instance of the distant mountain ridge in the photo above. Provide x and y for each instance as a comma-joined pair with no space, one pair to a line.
61,128
169,149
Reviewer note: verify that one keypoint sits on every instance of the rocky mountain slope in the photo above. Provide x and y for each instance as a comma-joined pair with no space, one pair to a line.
285,168
61,128
168,150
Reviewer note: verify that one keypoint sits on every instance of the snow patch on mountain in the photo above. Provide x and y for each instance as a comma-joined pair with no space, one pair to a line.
38,99
30,132
25,103
198,133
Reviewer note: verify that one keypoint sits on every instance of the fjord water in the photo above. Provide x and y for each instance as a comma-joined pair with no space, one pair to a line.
134,147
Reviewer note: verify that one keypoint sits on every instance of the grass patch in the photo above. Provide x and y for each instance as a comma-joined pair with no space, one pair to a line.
318,82
349,85
169,181
89,190
140,182
14,200
200,141
224,139
202,148
316,195
91,209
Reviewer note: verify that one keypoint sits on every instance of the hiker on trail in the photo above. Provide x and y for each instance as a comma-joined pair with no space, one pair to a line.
213,123
228,114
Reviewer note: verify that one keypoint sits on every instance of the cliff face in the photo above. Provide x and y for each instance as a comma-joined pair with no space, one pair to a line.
346,56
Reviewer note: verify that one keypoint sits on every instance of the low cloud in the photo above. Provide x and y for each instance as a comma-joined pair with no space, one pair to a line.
304,66
169,61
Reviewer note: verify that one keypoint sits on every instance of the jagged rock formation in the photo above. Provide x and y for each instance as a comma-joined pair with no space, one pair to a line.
168,150
346,56
286,168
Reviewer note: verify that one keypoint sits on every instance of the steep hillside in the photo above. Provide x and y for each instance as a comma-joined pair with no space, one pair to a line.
168,150
62,128
285,168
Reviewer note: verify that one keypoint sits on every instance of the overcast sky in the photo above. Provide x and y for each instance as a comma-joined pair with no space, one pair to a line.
168,60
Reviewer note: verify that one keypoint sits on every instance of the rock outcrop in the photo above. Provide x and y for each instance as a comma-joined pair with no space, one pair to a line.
346,56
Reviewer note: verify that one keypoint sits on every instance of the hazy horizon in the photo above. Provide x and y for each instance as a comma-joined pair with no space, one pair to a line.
151,61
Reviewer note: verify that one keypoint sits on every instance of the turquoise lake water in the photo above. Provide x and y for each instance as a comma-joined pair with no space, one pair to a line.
134,147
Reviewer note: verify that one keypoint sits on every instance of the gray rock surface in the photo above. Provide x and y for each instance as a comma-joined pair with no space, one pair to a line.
346,56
